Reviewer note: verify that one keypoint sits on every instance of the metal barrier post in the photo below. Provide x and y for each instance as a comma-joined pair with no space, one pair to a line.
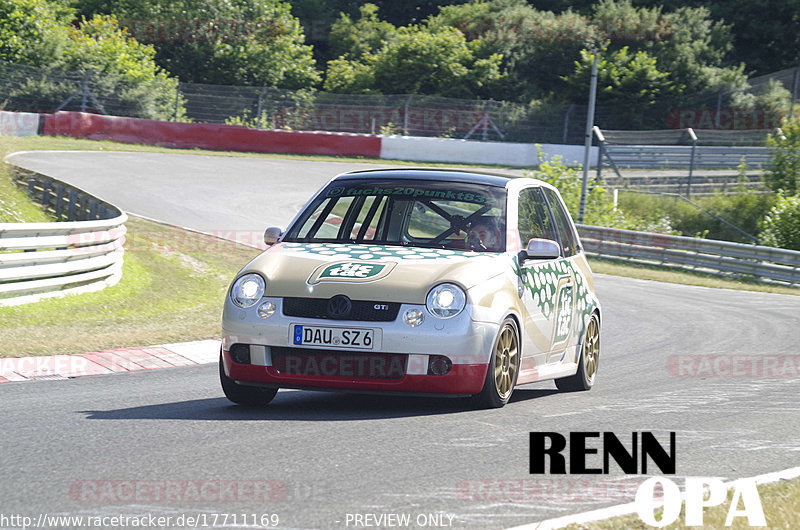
693,137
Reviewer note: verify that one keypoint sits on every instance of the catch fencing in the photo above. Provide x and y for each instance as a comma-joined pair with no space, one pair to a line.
720,257
43,90
82,252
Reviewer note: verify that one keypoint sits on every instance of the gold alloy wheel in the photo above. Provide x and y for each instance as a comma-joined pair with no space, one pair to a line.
591,349
506,361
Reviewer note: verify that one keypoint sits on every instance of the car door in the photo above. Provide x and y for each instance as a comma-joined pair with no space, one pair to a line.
564,339
544,284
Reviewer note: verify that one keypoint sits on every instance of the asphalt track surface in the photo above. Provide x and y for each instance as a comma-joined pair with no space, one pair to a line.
331,455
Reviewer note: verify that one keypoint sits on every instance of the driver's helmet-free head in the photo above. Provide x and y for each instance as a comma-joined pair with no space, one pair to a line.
484,234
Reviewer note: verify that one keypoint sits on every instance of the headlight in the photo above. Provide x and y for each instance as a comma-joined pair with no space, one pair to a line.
446,300
247,290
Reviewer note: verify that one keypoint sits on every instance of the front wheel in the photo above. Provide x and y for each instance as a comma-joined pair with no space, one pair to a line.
250,396
587,363
501,375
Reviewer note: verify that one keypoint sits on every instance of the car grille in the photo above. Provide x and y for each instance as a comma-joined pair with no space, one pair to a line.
336,363
362,311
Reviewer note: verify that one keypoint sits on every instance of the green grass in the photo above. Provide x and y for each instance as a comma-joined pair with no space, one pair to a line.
172,289
780,501
670,275
15,206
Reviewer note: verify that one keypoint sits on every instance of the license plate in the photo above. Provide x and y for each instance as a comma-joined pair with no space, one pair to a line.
348,338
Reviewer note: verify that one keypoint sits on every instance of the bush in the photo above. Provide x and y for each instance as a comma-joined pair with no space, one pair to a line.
781,226
783,170
744,210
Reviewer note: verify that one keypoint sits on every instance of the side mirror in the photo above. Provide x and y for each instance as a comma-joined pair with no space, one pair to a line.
271,235
542,249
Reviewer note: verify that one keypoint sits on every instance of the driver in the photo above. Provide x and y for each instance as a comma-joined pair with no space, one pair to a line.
484,235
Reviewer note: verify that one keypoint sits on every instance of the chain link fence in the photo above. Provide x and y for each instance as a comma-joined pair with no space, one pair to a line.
24,88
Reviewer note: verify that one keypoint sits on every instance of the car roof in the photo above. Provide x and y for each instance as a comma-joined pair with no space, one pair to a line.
446,175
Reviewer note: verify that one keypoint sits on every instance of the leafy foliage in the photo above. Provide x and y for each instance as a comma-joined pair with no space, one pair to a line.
41,33
33,32
417,60
629,81
249,42
537,47
781,226
357,38
783,171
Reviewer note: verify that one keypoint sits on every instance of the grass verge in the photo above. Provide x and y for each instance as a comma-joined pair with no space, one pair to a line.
172,289
667,275
15,206
780,501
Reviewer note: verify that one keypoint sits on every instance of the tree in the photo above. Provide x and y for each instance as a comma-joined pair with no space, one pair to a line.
764,33
354,39
538,47
45,34
33,32
248,42
418,60
128,76
630,82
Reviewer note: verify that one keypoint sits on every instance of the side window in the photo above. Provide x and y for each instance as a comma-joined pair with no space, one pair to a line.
566,232
533,219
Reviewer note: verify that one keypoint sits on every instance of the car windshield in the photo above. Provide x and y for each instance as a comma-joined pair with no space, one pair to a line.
418,213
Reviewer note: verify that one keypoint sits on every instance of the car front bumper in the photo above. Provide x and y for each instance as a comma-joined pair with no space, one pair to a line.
466,343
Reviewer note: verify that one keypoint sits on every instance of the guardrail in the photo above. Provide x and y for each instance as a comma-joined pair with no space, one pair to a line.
705,255
81,254
678,156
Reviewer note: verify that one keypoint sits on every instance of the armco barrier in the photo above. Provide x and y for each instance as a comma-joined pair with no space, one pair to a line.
426,149
209,136
708,255
82,254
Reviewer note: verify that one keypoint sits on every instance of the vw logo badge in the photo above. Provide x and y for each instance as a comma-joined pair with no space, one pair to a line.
339,306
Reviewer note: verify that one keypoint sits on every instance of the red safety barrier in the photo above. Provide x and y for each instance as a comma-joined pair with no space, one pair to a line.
209,136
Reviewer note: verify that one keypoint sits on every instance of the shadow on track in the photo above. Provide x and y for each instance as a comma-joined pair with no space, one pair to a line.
309,406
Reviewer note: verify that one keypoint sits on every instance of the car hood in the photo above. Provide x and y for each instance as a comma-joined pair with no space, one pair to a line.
369,272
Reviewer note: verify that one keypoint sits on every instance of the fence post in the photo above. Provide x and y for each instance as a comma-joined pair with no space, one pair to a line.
795,83
84,90
601,147
693,137
259,108
588,139
405,115
566,122
177,101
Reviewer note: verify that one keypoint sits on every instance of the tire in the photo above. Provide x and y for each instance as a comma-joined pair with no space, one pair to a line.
503,369
587,364
250,396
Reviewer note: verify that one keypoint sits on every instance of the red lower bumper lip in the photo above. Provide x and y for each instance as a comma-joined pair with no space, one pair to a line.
462,379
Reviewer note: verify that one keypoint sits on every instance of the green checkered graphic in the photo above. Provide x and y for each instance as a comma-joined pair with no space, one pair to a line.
540,281
376,252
